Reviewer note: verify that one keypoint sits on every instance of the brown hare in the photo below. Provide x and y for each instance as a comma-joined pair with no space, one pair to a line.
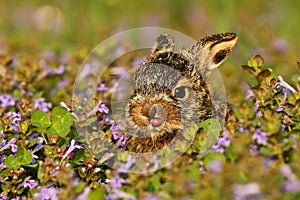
170,91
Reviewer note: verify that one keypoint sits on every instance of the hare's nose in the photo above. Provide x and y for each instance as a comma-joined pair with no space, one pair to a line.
157,114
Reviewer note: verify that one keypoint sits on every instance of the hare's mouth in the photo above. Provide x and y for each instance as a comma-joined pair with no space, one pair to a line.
157,115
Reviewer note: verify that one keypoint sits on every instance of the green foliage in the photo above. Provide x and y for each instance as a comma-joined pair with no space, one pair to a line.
40,119
23,158
62,120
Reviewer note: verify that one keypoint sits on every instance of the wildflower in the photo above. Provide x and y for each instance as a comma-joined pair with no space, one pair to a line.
202,168
15,118
55,71
221,144
71,149
152,197
11,145
42,105
249,94
284,84
260,136
117,181
29,183
254,150
2,164
215,165
292,184
138,61
7,100
101,108
128,164
102,88
3,197
46,192
62,84
279,109
114,129
246,191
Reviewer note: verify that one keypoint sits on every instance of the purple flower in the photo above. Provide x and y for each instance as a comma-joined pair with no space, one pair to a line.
11,145
246,191
71,148
3,197
292,185
249,94
15,118
53,71
102,88
101,108
42,105
29,183
260,136
221,144
243,130
284,84
279,109
254,150
116,182
62,84
7,100
128,164
202,168
215,165
138,61
2,164
114,129
46,192
152,197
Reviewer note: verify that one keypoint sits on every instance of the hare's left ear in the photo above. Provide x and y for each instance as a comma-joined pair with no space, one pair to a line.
218,47
163,43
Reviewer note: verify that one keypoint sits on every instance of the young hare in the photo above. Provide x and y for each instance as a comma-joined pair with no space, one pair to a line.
170,91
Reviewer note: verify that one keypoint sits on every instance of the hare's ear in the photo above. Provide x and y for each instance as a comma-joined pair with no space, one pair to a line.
163,43
218,47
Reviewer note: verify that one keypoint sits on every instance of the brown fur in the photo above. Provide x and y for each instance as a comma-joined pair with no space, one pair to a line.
169,71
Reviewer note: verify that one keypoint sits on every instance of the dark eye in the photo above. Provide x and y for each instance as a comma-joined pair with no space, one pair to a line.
180,92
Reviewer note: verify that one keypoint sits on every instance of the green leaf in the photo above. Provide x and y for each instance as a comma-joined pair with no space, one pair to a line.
263,74
24,157
32,142
11,162
61,122
266,151
58,129
40,119
249,69
61,116
256,61
212,128
97,194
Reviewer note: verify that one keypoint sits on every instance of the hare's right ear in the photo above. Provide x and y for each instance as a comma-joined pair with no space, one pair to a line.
163,43
218,47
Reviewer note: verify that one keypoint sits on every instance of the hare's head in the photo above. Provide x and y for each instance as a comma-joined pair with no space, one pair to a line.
170,91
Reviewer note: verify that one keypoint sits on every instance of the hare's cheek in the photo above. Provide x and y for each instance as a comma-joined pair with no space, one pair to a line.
138,114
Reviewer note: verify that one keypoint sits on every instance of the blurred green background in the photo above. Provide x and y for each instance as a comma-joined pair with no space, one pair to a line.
269,28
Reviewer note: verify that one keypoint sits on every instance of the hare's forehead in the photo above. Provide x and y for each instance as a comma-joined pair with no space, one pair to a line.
157,74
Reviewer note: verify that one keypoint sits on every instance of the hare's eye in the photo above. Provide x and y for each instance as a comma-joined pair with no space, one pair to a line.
180,92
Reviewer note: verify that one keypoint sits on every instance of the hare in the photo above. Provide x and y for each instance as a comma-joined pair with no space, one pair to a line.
170,91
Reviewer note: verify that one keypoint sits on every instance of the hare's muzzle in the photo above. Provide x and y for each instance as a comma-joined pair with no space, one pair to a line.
157,114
